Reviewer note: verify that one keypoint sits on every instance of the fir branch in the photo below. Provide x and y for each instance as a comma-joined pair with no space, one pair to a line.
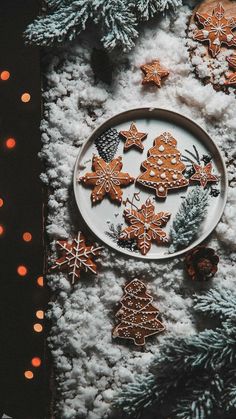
198,371
188,219
149,8
218,302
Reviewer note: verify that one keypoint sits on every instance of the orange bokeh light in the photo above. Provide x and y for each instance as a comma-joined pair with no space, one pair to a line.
22,270
27,237
1,202
38,327
10,143
2,229
40,314
36,362
4,75
29,375
25,97
40,281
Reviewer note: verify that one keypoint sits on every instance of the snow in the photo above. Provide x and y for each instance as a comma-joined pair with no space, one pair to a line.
90,366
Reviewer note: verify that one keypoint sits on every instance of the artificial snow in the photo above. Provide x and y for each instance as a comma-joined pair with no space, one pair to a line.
90,366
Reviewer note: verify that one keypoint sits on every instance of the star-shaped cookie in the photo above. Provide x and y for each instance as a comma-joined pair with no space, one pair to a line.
107,179
133,137
146,226
203,174
217,29
153,73
231,78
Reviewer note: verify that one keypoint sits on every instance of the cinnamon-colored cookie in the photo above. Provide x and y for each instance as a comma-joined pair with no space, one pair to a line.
133,137
106,179
153,73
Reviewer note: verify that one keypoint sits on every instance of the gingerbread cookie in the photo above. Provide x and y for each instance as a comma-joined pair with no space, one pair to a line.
163,167
107,179
146,226
76,256
217,29
133,137
231,78
153,73
137,315
203,174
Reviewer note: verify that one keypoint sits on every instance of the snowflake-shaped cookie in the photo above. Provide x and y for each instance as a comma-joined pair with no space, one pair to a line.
76,256
146,226
154,72
231,78
106,179
217,29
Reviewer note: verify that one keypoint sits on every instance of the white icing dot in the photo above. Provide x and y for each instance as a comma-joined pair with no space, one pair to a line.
163,176
229,37
161,148
160,162
173,161
161,189
152,173
175,177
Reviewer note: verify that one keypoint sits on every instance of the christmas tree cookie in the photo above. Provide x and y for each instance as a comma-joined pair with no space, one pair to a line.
163,167
137,315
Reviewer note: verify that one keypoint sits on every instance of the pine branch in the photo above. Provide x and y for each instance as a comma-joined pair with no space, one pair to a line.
188,219
218,302
149,8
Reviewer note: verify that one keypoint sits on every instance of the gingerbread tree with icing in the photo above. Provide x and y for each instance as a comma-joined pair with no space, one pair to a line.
137,315
163,167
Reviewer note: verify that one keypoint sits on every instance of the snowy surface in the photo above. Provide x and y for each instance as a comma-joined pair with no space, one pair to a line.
90,367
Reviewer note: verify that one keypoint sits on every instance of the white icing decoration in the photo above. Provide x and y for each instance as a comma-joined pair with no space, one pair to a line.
163,176
161,148
229,37
161,189
216,41
175,177
152,173
205,33
160,162
173,161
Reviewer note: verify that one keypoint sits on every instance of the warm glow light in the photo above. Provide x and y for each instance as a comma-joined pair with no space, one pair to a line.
10,143
22,270
40,314
1,202
29,375
40,281
4,75
27,237
1,230
25,97
36,362
38,327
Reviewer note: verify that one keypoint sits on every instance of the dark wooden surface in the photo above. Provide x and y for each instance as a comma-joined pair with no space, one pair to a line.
22,211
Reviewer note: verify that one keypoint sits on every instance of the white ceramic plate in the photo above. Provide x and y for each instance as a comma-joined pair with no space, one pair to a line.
100,218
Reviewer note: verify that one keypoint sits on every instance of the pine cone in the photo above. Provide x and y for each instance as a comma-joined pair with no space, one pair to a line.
107,144
201,263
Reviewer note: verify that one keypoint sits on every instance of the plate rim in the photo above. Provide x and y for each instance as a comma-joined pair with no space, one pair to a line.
149,110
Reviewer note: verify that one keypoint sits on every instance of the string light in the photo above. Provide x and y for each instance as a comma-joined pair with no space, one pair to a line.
1,202
40,314
27,237
38,327
22,270
36,362
4,75
40,281
10,143
29,375
25,97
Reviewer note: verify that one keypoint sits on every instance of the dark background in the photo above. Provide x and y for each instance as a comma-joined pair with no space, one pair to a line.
22,211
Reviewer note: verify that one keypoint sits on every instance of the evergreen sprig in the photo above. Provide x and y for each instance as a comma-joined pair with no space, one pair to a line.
63,20
188,219
198,371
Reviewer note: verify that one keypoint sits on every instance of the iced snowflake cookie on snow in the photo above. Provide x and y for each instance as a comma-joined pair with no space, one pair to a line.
146,226
137,315
76,256
107,179
163,167
153,73
133,138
